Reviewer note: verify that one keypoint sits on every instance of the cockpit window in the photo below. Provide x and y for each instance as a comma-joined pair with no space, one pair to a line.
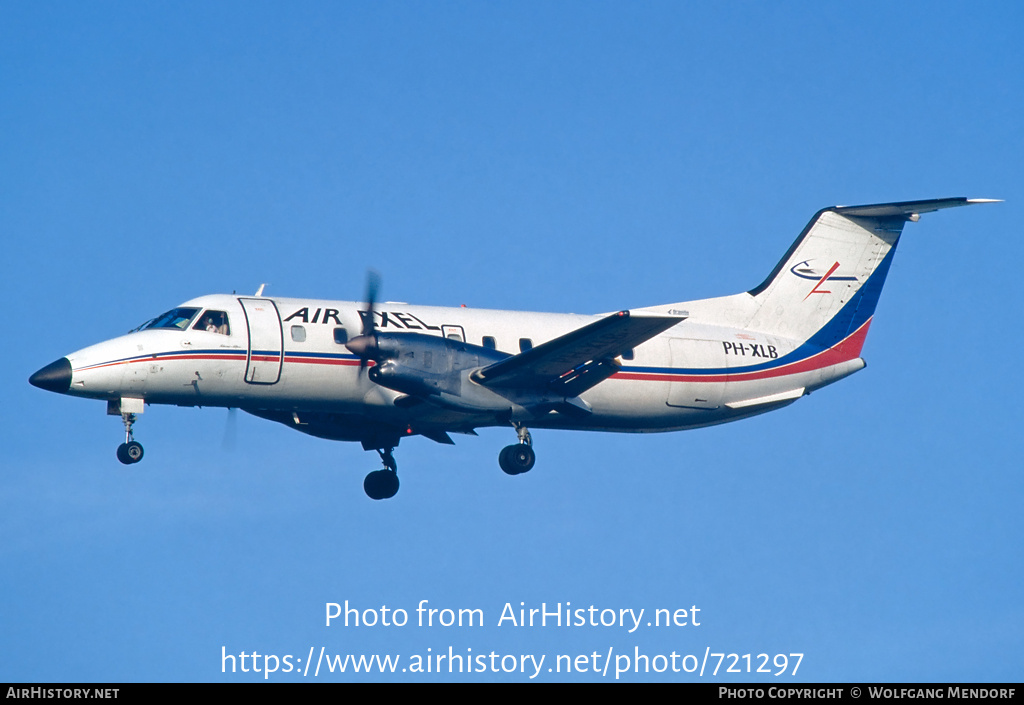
213,322
176,318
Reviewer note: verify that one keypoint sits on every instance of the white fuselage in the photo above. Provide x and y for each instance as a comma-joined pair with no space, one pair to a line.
287,355
435,371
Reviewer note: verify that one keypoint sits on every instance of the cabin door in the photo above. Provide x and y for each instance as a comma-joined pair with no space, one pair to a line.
266,341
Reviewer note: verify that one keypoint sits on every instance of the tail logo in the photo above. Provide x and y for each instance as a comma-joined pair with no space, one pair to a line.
804,270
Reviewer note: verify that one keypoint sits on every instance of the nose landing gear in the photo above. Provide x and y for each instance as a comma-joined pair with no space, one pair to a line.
130,451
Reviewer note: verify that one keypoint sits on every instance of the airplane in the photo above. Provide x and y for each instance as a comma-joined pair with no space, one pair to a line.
376,373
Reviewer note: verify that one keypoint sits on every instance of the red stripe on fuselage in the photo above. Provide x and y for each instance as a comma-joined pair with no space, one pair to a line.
161,357
847,349
323,361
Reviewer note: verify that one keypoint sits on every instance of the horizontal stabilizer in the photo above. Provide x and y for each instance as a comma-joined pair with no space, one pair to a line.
907,209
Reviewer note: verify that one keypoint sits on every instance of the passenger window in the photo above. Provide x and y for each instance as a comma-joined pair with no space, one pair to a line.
525,344
298,334
213,322
489,342
340,336
628,355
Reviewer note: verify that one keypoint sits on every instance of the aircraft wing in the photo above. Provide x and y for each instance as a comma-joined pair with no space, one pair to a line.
573,363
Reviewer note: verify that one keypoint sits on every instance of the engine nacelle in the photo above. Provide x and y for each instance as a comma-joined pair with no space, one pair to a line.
439,371
424,365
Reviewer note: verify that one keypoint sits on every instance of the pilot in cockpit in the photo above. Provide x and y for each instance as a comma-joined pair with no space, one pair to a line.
214,322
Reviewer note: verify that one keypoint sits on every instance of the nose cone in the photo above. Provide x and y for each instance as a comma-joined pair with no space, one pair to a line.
55,377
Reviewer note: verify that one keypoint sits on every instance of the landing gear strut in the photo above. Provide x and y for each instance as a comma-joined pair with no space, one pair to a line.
518,458
383,484
130,451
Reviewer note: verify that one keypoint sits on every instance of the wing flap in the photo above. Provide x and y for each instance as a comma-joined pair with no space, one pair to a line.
578,360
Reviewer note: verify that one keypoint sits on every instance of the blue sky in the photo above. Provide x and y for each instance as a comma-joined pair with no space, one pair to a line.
577,157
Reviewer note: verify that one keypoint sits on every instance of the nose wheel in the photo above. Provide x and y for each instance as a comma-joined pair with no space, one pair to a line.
383,483
129,452
518,458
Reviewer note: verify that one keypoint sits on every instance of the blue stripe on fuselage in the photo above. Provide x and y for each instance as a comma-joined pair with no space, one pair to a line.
854,314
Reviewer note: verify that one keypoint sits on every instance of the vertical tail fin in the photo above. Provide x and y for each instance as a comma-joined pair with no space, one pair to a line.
824,290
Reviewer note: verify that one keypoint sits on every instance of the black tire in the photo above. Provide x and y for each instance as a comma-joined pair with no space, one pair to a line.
122,454
381,484
517,459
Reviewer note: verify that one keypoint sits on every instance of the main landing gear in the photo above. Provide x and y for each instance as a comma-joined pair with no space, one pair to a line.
129,452
518,458
383,483
514,460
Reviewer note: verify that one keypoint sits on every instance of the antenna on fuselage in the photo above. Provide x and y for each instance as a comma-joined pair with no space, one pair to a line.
259,292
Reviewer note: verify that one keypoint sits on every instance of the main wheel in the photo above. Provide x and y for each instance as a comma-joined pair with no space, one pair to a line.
517,459
122,454
381,484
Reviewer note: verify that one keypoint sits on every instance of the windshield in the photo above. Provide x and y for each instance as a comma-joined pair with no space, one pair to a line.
176,318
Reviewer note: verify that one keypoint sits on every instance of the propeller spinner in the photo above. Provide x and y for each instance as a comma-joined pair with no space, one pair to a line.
365,345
